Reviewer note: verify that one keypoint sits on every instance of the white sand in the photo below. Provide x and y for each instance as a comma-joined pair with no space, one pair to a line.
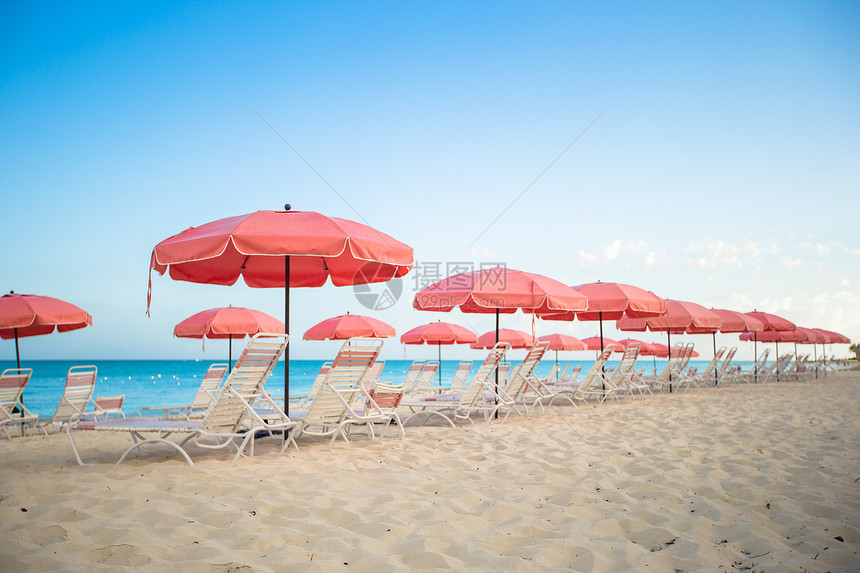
763,478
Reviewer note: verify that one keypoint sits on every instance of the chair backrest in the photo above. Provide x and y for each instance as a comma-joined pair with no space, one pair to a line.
563,376
426,381
208,388
484,379
552,373
12,383
762,361
525,372
596,370
344,380
727,361
385,396
712,365
105,406
80,383
375,372
685,357
319,380
572,376
628,361
461,375
246,379
412,375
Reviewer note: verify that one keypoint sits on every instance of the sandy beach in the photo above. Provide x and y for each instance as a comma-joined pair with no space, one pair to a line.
742,478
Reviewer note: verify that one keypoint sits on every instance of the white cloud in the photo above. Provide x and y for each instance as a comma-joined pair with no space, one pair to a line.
588,258
845,282
790,262
612,250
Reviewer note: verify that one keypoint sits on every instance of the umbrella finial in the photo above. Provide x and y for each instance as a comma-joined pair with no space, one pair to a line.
287,207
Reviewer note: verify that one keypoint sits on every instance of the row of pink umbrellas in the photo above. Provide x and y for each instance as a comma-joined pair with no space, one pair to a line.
284,249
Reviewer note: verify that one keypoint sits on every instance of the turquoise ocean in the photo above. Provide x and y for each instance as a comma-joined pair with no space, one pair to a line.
153,383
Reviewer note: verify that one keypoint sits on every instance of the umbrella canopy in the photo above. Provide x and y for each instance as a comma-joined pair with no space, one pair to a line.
281,249
599,342
834,337
644,347
439,333
516,338
733,321
500,290
348,326
774,336
227,322
563,342
23,315
812,336
771,321
612,301
679,317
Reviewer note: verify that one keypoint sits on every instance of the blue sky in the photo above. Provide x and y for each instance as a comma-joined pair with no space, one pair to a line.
720,165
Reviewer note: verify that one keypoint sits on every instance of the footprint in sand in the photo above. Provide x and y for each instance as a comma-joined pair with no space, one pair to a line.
47,535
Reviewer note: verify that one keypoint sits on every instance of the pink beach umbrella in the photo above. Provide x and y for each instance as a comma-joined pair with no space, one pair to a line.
347,326
500,290
562,342
439,333
516,338
23,315
281,249
612,301
227,322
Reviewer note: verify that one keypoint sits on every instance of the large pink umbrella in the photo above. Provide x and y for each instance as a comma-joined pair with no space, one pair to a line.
23,315
347,326
612,301
439,333
733,321
281,249
227,322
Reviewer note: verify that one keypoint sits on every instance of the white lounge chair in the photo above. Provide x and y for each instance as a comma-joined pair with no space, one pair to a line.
80,383
524,388
206,392
726,372
461,376
479,396
334,410
303,402
231,417
593,384
708,376
12,410
106,406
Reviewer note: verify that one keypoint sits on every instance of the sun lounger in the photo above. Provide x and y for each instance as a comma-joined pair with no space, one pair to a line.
231,417
412,375
593,384
12,410
80,383
726,372
105,407
302,402
206,392
333,411
707,377
426,384
524,389
461,376
479,396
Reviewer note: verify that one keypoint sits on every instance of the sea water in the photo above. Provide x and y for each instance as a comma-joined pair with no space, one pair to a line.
155,383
